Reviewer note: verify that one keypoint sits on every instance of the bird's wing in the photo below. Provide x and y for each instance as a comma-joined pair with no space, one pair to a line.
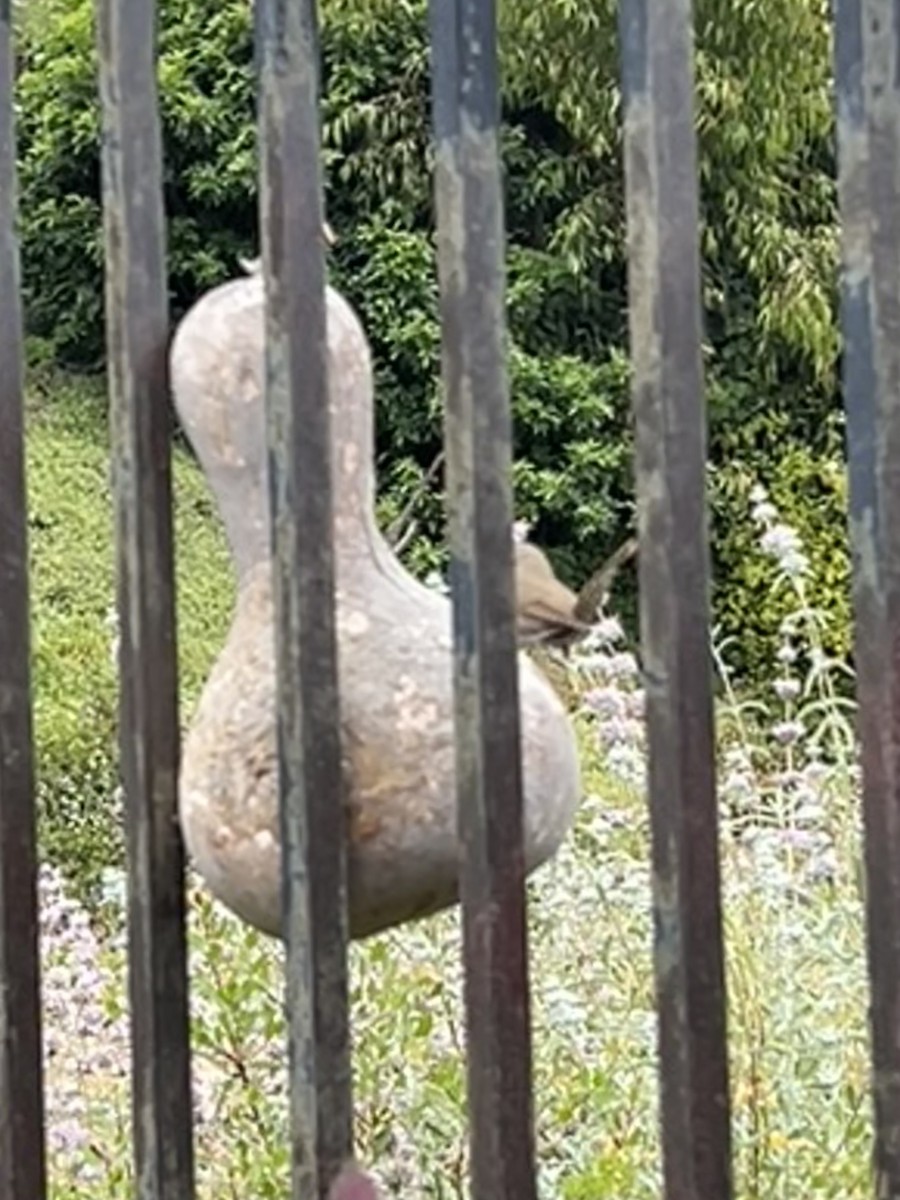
539,621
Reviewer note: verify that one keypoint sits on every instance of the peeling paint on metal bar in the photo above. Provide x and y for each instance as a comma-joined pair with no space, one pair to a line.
478,435
667,396
867,69
309,740
137,344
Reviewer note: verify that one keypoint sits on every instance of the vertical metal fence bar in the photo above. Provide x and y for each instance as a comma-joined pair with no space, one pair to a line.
867,66
478,438
137,344
300,463
667,396
22,1154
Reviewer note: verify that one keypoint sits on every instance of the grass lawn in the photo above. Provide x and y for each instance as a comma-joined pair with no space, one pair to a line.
73,597
796,974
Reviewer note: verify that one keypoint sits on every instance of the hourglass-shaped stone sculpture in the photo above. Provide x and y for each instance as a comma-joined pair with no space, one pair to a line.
394,655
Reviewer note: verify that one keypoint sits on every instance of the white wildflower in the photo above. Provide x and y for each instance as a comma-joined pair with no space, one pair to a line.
787,732
787,688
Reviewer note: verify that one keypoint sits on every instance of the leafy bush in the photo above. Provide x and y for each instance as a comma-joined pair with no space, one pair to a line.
810,491
206,104
73,596
769,238
375,117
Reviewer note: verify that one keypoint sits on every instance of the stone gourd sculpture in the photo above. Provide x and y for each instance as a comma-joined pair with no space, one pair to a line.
394,648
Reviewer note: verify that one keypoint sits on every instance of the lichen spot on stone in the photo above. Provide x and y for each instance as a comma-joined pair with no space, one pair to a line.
350,458
222,837
264,841
415,714
196,802
356,623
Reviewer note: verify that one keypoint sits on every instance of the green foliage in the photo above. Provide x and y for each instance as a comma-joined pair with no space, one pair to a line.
375,123
768,234
73,595
810,492
765,124
769,241
207,113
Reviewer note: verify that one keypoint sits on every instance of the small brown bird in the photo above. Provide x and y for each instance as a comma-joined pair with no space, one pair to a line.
545,607
353,1184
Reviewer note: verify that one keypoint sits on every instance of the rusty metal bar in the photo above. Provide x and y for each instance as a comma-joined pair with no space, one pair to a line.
867,68
137,330
667,397
478,439
22,1153
300,462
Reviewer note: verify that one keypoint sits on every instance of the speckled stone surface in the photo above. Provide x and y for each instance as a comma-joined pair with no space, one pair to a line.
394,656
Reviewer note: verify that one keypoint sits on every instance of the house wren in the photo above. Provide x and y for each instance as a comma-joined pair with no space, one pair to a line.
545,607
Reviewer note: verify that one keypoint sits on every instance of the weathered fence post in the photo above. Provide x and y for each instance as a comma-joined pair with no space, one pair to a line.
137,335
667,396
478,440
22,1154
867,67
300,482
